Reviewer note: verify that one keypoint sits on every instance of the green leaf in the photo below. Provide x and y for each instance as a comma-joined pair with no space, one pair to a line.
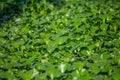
3,34
103,27
78,65
53,72
41,66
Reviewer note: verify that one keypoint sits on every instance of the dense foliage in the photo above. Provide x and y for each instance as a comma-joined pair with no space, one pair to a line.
60,40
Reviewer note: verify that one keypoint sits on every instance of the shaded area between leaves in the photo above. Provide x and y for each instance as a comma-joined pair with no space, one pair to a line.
10,8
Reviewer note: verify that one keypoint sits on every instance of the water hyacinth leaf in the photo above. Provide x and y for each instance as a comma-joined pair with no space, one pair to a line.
62,67
3,34
2,41
105,56
41,66
103,27
76,21
75,75
68,67
16,44
7,75
78,65
25,29
27,75
61,40
51,47
95,68
116,76
34,72
53,72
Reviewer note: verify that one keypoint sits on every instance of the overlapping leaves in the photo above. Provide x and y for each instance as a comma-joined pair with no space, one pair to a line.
79,40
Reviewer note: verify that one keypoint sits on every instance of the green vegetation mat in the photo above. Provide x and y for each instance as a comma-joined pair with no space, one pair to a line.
60,40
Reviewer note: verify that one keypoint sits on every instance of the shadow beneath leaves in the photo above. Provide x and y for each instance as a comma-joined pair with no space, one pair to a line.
10,8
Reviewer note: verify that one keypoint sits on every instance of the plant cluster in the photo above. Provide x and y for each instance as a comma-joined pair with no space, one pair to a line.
61,40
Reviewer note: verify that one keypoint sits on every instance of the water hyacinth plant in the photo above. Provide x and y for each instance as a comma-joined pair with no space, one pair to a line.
60,40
